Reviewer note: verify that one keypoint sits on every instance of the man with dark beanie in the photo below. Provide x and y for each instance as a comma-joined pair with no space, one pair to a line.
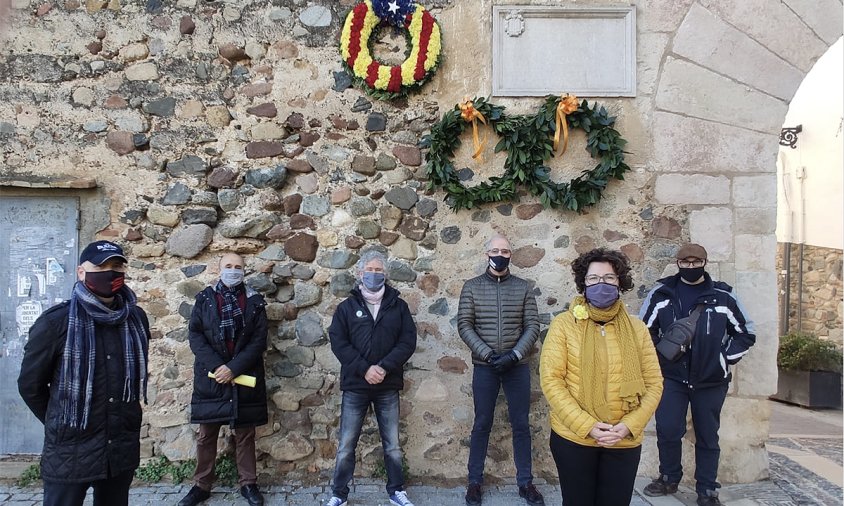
701,376
83,374
228,336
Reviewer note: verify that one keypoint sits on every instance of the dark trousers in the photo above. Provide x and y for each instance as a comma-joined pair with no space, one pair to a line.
112,491
706,406
594,476
486,383
353,411
206,455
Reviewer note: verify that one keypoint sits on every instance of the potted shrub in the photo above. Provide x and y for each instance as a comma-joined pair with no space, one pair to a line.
809,371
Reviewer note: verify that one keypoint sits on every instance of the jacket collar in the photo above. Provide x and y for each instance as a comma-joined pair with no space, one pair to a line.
492,277
670,284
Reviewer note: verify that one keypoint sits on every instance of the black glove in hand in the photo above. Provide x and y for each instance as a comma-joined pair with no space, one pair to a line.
505,362
492,358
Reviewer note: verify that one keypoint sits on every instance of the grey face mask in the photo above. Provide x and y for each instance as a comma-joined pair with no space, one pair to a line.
602,295
231,277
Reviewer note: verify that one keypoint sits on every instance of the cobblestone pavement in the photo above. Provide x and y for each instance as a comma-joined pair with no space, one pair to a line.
805,450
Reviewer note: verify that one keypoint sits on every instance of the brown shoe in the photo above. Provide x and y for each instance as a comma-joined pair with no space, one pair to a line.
660,487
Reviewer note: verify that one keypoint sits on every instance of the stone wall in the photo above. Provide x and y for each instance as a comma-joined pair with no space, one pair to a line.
215,126
822,308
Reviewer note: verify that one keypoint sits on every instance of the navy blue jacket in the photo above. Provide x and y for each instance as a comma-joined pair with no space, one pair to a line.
359,341
111,442
723,335
211,402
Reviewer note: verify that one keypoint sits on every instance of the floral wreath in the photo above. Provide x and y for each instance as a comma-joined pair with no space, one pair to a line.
390,81
527,139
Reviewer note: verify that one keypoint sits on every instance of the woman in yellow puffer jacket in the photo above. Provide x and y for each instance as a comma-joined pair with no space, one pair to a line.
601,377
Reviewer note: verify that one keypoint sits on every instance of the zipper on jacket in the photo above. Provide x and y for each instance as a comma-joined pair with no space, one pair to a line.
498,300
603,331
708,317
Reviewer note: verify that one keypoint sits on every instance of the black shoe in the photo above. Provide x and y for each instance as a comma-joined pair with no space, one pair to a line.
710,498
659,487
531,495
252,494
195,496
474,496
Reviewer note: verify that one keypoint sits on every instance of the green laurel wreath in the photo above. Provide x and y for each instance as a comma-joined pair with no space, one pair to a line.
527,139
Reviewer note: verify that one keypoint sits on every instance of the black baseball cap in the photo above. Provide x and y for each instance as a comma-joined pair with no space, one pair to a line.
99,251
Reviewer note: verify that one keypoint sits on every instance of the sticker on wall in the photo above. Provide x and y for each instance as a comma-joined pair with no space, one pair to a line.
26,314
54,271
24,285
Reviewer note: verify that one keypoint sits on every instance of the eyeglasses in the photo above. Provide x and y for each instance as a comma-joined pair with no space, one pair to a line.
594,279
502,252
691,263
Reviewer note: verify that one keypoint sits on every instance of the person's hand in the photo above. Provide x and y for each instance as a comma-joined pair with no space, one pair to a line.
492,358
505,362
223,375
603,433
621,429
375,374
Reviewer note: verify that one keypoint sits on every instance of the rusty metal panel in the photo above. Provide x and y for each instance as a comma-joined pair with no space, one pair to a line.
38,255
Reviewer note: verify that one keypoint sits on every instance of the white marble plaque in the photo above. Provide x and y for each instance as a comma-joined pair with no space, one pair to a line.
582,50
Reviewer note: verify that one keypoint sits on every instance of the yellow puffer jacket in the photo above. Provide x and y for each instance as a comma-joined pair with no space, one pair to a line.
559,372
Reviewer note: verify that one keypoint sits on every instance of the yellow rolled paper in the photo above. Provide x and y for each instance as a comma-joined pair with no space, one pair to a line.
243,380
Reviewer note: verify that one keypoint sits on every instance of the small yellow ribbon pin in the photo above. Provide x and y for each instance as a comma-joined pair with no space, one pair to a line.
567,105
470,114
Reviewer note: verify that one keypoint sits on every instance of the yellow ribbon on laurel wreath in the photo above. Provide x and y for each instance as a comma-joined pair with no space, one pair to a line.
470,114
567,105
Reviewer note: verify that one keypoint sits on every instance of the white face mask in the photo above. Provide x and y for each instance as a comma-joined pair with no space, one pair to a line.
231,277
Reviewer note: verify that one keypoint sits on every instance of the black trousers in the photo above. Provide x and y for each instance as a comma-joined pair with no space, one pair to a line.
706,404
112,491
594,476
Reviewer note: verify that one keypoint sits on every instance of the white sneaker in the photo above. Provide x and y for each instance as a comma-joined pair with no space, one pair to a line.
336,501
399,498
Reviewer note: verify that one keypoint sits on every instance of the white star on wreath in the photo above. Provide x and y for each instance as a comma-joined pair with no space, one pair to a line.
393,7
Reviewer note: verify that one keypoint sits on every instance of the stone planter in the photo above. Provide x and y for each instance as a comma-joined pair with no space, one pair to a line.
810,389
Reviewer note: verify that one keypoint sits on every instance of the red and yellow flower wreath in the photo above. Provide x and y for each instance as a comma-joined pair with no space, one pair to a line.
424,39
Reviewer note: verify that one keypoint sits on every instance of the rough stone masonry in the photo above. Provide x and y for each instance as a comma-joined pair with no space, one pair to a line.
207,126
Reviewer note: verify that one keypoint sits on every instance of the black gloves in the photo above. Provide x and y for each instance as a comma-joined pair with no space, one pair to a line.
503,363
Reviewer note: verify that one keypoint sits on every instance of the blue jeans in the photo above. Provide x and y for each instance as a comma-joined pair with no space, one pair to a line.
706,406
486,383
352,413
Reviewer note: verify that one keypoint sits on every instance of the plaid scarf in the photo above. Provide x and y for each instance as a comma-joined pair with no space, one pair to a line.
231,317
79,357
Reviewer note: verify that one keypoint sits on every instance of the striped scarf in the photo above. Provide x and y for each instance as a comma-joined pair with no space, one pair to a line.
79,358
231,317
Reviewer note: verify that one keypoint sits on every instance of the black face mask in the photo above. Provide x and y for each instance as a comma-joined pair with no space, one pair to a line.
104,283
691,274
499,263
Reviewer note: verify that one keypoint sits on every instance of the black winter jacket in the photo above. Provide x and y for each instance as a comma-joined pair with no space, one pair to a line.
359,342
724,333
237,405
110,444
496,315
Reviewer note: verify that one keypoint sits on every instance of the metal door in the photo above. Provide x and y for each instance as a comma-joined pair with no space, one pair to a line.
38,255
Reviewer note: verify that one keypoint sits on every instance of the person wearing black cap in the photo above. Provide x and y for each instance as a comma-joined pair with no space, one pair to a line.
83,374
700,377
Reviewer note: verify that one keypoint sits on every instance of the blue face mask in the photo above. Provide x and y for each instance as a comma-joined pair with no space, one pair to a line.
373,281
231,277
602,295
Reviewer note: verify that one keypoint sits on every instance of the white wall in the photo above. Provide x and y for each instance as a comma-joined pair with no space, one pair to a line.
810,178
